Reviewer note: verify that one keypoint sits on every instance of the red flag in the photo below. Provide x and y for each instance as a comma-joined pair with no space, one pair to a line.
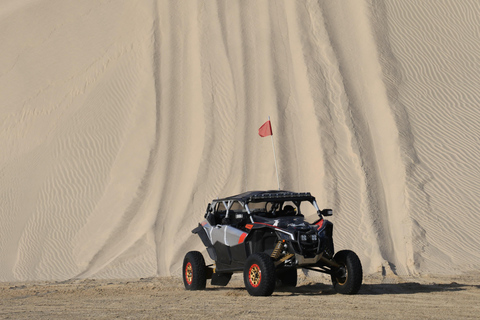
265,130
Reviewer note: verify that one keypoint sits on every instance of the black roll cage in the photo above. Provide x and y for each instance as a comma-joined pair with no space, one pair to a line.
273,196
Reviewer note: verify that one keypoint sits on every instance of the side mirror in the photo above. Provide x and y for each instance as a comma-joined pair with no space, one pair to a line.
327,212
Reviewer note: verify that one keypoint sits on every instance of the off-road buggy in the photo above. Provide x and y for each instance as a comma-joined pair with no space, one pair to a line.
264,235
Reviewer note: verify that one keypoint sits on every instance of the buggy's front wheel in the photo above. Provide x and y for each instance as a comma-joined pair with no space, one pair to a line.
259,275
194,271
347,279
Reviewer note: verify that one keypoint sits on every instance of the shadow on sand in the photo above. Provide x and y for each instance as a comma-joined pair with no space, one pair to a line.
412,287
379,289
366,289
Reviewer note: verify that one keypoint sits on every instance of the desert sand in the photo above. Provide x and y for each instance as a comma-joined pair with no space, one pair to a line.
165,298
121,120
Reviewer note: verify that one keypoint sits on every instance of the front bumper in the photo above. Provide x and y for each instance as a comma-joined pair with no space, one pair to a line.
301,261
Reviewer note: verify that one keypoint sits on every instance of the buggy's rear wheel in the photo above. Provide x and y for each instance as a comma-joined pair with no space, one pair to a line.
259,275
194,271
347,279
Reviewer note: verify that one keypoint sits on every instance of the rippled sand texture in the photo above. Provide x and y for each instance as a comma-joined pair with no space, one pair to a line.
120,120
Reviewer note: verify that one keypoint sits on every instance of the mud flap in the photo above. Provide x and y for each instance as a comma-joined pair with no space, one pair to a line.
221,279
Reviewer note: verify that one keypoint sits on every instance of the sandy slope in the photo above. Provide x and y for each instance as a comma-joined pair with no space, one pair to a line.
120,120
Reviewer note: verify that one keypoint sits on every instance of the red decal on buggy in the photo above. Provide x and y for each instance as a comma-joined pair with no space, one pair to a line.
242,237
249,226
204,223
319,224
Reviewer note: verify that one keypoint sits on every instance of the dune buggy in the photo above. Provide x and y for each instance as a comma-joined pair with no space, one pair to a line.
265,235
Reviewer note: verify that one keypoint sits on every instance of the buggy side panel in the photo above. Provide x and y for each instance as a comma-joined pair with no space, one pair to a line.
226,234
230,258
229,245
228,248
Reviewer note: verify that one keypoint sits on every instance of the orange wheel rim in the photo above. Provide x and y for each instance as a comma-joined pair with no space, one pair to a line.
254,275
189,273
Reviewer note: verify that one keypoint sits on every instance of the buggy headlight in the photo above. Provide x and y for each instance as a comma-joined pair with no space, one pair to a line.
314,237
303,237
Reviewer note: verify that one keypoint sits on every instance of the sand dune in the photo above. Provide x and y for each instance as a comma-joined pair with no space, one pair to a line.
120,120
